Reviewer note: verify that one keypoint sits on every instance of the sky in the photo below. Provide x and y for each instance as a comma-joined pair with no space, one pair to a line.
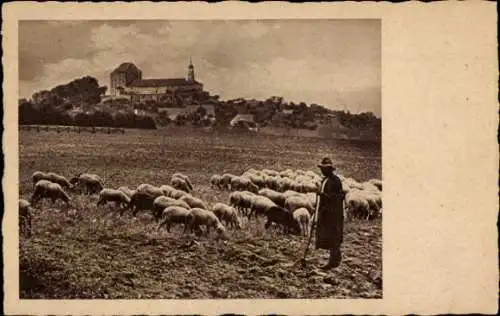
334,63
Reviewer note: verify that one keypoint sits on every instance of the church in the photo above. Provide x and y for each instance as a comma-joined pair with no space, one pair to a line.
127,81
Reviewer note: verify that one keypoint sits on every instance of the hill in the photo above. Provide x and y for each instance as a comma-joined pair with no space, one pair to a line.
82,102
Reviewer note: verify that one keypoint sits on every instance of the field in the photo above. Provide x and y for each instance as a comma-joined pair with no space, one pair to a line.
85,252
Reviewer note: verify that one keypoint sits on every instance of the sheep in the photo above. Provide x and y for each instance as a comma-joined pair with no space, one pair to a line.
357,204
91,183
260,205
25,217
270,172
216,181
274,196
193,201
174,215
162,202
201,217
52,177
227,214
294,202
112,195
284,218
185,178
177,194
243,183
377,183
150,189
302,216
128,192
167,189
47,189
245,201
226,180
180,184
139,201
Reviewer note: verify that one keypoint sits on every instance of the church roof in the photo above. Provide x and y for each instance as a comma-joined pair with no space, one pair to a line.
162,82
124,67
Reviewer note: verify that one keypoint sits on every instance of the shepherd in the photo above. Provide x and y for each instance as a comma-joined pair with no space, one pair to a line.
329,215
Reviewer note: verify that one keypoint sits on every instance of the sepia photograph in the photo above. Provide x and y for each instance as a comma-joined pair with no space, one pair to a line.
200,159
228,158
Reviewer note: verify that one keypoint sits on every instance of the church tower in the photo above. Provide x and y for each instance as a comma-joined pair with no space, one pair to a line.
190,76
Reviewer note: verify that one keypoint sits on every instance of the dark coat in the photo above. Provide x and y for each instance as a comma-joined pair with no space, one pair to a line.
330,214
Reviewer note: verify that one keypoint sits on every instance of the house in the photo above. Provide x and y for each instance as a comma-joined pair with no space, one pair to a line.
244,120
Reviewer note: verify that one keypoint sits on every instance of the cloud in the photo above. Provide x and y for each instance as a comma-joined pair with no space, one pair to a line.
334,63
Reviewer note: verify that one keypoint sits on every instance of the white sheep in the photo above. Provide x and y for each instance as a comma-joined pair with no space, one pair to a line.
50,190
91,183
174,215
274,196
166,189
226,180
128,192
193,202
150,189
294,202
162,202
185,178
52,177
25,217
356,204
377,183
245,201
180,184
216,181
260,205
177,194
302,216
227,214
112,195
201,217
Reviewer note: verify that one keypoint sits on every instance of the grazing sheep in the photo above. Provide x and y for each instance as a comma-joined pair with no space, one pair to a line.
177,194
227,214
150,189
270,172
377,183
243,184
226,180
216,181
356,204
140,201
302,216
162,202
193,202
274,196
166,189
260,205
91,183
128,192
112,195
50,190
245,202
52,177
294,202
174,215
185,178
25,216
284,218
201,217
180,184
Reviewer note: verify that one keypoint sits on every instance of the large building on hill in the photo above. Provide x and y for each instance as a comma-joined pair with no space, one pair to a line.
127,81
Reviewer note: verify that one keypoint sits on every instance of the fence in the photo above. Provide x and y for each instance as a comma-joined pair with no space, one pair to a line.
75,129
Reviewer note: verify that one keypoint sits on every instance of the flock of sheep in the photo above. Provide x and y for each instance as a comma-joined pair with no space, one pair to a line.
286,199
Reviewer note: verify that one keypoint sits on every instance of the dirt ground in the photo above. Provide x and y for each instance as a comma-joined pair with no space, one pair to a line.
84,252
